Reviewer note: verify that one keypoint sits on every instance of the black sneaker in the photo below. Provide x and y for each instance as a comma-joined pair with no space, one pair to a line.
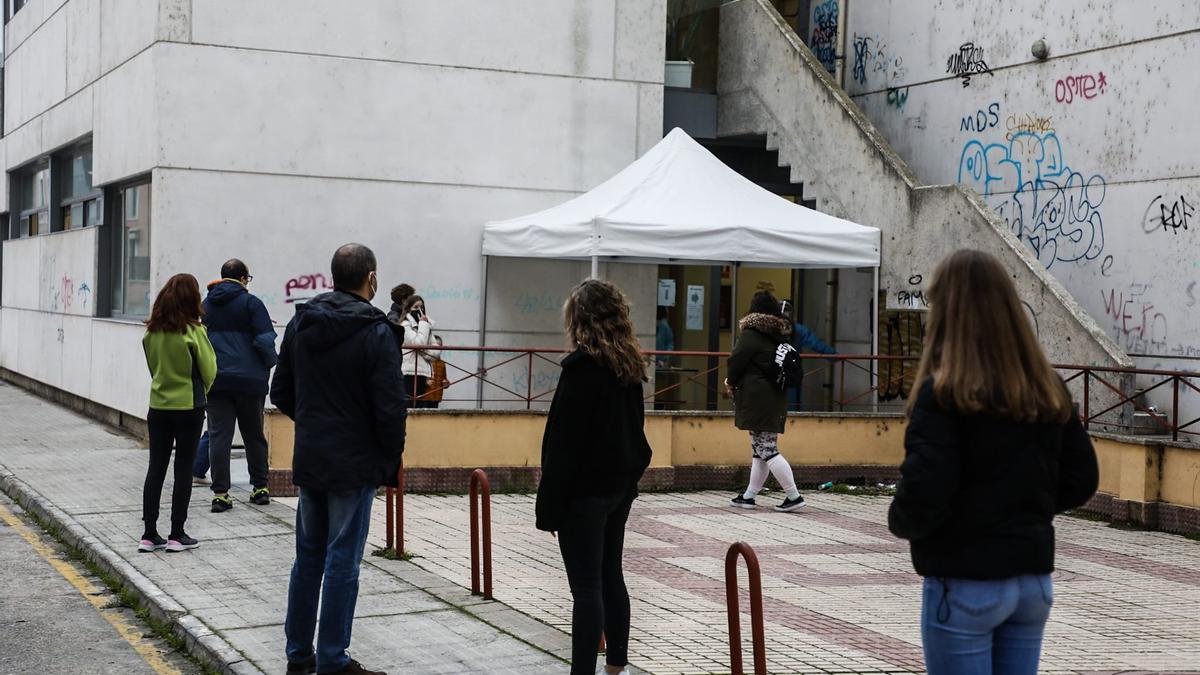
792,504
261,496
741,502
356,668
221,503
306,667
151,543
177,544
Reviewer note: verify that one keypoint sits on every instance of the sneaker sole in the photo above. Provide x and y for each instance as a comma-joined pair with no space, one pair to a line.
743,506
180,548
789,509
150,549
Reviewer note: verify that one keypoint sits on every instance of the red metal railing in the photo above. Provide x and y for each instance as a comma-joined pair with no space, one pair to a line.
479,483
860,382
756,609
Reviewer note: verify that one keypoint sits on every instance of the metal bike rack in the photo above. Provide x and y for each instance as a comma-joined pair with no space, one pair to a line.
756,609
479,482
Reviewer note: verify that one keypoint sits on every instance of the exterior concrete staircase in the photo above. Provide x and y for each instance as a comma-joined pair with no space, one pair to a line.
770,85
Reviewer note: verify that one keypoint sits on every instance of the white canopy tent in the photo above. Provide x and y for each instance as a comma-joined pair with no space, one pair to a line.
679,204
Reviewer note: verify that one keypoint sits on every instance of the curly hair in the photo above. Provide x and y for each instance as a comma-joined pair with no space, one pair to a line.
596,318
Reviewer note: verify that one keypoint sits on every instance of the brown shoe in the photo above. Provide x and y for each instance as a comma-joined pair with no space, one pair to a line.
356,668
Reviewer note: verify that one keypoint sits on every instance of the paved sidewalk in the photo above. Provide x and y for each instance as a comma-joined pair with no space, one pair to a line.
228,597
839,591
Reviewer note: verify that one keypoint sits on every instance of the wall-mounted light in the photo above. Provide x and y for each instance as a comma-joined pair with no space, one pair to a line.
1041,50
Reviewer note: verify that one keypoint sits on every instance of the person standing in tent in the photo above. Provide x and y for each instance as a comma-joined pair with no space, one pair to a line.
760,406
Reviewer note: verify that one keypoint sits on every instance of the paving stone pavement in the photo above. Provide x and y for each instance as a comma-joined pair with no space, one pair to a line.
230,594
839,592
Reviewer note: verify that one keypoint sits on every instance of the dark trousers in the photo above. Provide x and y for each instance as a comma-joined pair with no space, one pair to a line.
200,466
414,386
592,540
246,410
177,430
331,533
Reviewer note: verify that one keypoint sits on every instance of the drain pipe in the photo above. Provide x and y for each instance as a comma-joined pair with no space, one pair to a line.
840,75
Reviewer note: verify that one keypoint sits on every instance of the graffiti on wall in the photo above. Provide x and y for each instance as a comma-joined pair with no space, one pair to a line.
68,294
896,98
1136,323
873,57
823,40
1080,87
967,61
981,120
1028,123
1168,216
306,287
1049,205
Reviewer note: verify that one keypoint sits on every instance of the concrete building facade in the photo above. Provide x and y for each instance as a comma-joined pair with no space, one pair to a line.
144,138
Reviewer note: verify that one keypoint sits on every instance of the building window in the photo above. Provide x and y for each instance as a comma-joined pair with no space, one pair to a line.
131,251
80,201
31,194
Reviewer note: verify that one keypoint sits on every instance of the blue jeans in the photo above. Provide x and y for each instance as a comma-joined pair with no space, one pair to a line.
200,466
331,531
993,627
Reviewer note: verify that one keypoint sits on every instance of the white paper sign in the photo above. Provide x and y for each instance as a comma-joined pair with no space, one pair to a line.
666,292
695,308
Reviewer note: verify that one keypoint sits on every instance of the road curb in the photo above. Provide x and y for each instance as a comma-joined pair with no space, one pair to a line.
200,641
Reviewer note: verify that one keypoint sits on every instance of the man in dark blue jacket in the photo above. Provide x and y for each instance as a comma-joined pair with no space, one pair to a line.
339,378
242,335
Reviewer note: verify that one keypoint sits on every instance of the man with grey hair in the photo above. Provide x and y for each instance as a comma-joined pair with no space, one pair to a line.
339,379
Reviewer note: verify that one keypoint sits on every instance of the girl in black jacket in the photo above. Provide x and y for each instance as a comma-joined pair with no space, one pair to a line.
594,451
760,406
993,451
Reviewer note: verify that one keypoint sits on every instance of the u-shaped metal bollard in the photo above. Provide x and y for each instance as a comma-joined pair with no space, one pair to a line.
395,513
479,482
756,609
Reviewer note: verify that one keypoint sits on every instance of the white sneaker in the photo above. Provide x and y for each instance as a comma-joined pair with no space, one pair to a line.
201,480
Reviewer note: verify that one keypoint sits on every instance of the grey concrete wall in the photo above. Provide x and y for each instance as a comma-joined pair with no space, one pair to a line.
771,84
1089,157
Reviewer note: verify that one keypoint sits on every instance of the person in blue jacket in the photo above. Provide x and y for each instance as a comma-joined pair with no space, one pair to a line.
244,338
802,339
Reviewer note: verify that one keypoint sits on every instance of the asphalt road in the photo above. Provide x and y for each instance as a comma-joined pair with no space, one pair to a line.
55,617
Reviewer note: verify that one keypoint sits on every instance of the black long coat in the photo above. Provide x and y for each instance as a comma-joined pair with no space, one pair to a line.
978,494
594,442
758,403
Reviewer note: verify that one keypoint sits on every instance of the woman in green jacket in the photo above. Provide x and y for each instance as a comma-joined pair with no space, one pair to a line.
760,406
182,367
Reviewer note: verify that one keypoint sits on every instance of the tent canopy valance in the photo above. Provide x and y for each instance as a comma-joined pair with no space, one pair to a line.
679,204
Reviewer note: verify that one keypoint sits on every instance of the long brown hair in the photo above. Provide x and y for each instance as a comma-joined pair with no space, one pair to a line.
596,317
980,349
177,306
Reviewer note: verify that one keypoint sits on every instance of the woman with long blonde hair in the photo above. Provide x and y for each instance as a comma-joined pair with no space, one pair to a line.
594,452
993,451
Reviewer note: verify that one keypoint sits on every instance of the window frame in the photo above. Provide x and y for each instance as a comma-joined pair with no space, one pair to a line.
113,273
19,215
63,168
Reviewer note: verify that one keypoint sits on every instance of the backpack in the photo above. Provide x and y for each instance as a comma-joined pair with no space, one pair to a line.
789,369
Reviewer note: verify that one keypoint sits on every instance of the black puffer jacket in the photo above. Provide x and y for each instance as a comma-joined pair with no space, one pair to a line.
339,378
977,493
758,403
594,442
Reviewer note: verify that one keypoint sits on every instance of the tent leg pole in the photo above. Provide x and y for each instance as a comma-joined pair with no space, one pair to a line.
875,338
733,308
595,267
482,335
